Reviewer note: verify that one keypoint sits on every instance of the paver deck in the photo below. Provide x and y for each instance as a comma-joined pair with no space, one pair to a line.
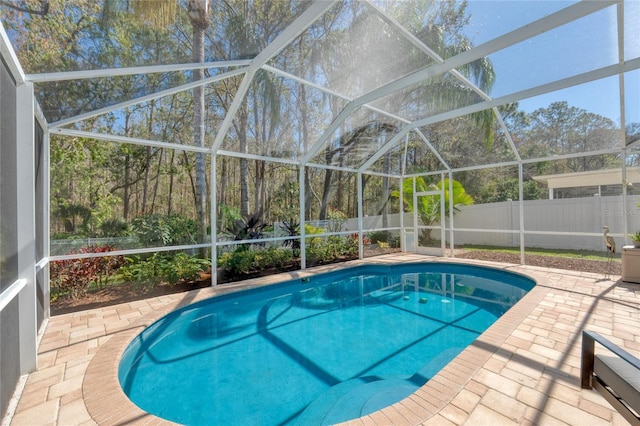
523,370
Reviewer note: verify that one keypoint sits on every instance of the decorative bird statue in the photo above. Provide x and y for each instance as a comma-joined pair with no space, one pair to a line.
611,249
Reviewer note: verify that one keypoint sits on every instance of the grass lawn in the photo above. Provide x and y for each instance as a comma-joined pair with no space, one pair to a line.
574,254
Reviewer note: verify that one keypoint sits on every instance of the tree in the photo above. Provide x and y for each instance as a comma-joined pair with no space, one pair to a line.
348,143
440,26
161,13
564,129
198,11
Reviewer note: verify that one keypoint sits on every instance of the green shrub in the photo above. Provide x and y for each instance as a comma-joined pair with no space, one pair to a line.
114,228
162,230
310,229
247,261
272,258
336,219
378,236
327,250
316,251
237,261
164,267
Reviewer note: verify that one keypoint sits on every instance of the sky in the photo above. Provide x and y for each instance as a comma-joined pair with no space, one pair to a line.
583,45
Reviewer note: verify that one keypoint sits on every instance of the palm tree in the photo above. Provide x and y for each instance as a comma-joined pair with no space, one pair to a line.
429,207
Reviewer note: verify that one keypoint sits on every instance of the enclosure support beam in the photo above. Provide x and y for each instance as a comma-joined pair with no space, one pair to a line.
443,216
401,193
451,222
621,78
395,140
625,198
507,134
330,92
521,210
115,72
26,232
6,51
360,214
328,133
125,139
214,220
303,209
623,121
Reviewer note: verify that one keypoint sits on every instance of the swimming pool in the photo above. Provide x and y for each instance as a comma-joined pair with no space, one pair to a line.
335,347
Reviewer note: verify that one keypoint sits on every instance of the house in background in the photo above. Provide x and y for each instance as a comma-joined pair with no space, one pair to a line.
587,184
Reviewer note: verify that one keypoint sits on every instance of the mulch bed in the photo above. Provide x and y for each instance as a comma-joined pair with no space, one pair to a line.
569,263
123,293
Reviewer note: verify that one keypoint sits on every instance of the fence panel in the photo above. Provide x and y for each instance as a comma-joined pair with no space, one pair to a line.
573,215
566,216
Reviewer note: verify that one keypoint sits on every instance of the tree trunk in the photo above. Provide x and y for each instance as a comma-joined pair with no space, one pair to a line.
223,180
171,178
147,166
244,163
191,179
385,192
145,180
305,141
127,175
198,14
157,181
260,186
340,191
126,196
326,189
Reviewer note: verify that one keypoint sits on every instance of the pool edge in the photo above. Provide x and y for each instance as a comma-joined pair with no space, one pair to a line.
102,392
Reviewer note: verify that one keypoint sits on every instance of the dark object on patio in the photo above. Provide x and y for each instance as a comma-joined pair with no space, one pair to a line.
616,377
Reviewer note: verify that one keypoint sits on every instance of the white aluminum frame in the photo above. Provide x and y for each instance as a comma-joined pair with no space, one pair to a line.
24,288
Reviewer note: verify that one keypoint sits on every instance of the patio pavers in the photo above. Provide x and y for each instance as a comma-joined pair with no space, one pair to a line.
523,370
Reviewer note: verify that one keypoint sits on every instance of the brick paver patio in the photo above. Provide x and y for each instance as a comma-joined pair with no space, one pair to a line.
523,370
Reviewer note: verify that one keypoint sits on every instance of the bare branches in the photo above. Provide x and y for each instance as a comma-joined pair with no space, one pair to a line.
43,11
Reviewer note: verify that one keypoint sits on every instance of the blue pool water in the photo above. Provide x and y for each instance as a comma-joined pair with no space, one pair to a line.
336,347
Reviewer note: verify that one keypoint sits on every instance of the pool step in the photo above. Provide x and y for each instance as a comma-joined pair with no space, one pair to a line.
368,398
347,400
363,395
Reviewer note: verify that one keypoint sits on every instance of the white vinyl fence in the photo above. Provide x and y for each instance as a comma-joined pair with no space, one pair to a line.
571,223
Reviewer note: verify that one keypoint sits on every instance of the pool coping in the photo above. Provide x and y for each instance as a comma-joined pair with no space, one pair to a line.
102,392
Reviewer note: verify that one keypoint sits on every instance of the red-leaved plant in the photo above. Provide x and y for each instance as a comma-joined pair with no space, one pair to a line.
75,276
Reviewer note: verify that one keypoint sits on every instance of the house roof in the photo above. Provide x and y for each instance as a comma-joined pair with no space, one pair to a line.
592,178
